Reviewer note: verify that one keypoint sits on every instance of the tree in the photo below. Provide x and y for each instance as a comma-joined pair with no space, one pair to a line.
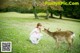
34,4
47,12
60,12
49,8
57,8
72,11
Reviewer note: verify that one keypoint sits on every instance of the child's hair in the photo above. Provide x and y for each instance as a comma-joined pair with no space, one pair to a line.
38,24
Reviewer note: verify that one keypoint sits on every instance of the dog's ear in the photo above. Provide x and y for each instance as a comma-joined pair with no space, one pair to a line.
59,29
43,27
48,28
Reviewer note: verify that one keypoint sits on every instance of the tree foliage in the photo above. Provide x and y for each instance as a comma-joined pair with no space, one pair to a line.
72,10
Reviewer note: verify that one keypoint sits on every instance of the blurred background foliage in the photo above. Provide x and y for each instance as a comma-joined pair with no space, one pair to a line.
26,6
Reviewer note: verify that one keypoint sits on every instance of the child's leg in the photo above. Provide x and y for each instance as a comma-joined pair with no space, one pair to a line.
34,40
39,38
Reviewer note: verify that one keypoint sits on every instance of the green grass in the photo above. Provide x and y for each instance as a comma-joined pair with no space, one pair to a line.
16,27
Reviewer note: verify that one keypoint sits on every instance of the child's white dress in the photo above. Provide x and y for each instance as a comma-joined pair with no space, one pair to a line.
35,36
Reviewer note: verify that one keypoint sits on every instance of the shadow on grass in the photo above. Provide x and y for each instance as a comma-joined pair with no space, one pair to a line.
76,20
67,19
43,18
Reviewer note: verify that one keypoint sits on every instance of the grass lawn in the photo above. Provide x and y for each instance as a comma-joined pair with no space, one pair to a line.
16,27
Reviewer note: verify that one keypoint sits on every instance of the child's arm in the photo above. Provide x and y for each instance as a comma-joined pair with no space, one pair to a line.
33,31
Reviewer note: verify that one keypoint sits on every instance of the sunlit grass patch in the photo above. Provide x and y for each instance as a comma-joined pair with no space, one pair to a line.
17,27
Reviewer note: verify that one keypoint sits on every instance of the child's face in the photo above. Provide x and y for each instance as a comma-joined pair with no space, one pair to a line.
39,27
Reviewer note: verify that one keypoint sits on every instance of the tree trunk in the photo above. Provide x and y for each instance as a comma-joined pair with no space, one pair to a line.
51,15
60,15
47,12
35,13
